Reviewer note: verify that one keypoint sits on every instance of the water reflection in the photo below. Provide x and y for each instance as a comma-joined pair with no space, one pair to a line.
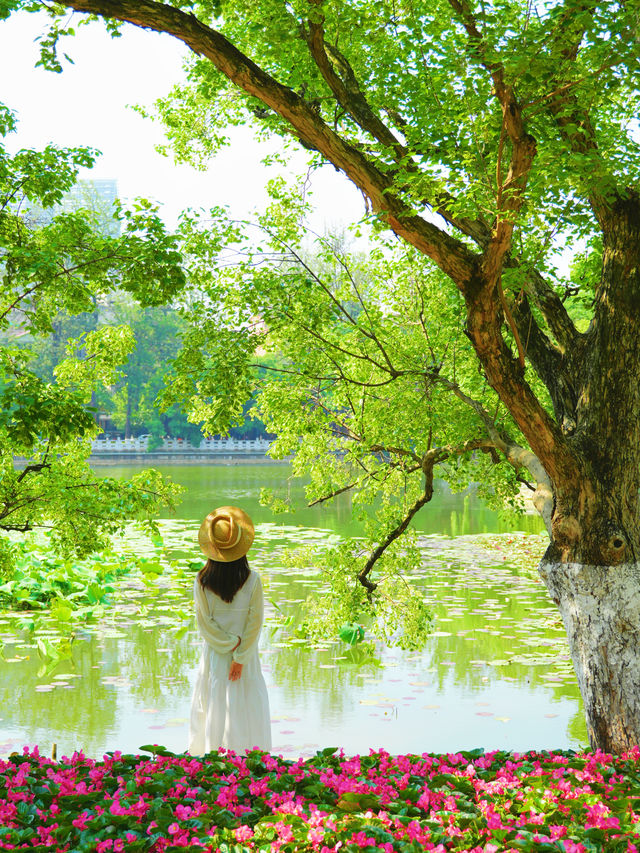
213,485
494,674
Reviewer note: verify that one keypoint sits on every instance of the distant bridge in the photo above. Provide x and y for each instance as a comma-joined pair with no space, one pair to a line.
209,449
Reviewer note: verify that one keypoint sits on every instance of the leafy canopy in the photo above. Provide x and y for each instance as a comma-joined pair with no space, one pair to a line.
54,260
359,365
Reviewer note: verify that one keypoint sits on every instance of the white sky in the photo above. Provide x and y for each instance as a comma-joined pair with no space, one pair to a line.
88,104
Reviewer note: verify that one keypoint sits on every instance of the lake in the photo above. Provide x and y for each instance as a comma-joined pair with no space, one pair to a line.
495,672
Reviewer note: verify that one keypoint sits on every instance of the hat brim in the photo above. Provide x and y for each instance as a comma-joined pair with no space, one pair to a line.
227,555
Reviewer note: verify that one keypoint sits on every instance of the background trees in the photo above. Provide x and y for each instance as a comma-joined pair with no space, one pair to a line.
67,264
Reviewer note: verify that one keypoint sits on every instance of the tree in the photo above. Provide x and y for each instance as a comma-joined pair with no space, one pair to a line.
64,263
131,401
485,136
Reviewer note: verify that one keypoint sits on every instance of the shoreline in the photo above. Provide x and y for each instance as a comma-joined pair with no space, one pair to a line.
120,460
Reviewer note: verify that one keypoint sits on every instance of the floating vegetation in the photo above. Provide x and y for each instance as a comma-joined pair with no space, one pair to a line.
494,629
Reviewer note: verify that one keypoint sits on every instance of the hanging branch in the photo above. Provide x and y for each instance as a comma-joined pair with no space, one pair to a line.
36,467
429,461
32,469
391,537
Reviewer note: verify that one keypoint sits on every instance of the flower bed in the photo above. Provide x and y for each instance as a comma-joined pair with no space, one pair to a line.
469,801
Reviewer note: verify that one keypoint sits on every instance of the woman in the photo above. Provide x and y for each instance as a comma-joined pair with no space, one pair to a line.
230,706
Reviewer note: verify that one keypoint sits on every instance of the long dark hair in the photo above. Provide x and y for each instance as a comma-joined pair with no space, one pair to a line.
225,579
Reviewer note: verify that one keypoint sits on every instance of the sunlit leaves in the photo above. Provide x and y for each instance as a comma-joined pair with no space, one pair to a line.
212,377
147,256
56,259
350,361
96,358
34,411
398,615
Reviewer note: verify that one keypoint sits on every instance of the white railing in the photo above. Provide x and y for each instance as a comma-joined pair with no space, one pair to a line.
207,445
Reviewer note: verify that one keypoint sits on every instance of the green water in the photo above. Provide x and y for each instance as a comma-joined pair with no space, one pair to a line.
495,673
216,485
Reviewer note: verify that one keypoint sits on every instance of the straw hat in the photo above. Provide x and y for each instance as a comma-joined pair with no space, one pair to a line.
226,534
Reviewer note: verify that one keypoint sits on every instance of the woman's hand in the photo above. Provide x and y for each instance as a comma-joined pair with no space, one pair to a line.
235,671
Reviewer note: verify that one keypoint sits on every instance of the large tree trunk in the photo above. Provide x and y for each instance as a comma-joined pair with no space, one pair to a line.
592,572
600,608
592,566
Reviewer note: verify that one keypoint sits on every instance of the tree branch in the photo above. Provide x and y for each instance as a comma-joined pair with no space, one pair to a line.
347,91
451,255
370,334
484,302
19,299
517,456
398,451
336,493
18,528
345,86
429,460
552,309
556,369
32,469
573,121
375,555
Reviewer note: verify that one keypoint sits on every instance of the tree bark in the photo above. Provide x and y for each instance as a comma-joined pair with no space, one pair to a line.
600,608
592,565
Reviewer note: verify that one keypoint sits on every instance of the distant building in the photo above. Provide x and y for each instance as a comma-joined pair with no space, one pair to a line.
96,195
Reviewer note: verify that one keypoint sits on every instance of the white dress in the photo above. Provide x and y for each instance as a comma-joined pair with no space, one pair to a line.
230,714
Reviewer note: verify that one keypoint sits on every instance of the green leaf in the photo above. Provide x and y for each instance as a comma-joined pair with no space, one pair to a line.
352,634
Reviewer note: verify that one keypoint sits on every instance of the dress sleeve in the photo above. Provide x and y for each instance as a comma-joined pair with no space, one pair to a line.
221,641
255,618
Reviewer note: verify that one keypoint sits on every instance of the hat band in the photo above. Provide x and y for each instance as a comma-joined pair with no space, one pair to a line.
229,544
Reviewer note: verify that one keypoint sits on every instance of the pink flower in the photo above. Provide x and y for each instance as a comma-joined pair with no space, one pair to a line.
80,822
598,815
315,834
362,840
173,828
494,821
424,799
285,833
290,807
259,787
243,833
